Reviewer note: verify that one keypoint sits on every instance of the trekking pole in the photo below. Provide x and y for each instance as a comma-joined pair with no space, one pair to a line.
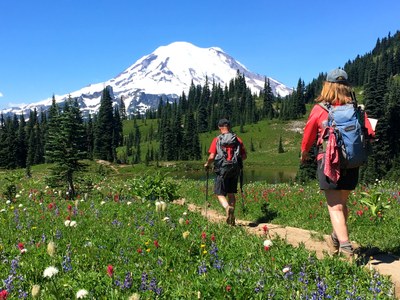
241,190
207,175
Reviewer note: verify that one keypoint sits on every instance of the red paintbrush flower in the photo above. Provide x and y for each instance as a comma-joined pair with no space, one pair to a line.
110,270
3,295
213,237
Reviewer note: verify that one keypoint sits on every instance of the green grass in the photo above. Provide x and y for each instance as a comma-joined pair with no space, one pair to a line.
304,206
171,254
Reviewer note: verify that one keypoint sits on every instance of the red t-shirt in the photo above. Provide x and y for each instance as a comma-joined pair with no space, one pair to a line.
213,148
314,127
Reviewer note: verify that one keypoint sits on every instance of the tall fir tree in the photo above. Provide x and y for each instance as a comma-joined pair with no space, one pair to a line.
103,131
66,147
268,100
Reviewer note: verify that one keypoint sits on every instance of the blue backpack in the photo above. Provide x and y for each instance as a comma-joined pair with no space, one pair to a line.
349,128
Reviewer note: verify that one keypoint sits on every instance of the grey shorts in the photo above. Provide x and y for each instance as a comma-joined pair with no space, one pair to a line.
224,186
348,179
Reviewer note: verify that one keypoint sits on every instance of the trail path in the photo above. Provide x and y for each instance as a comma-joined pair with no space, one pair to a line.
385,264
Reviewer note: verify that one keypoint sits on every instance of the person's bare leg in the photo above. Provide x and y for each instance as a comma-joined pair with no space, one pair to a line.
225,204
337,206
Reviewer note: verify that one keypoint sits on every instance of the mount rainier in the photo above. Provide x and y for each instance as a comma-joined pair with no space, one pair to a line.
166,73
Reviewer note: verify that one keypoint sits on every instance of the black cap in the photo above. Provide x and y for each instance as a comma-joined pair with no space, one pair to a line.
223,123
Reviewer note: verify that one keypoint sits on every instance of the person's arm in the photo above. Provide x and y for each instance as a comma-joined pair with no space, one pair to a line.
310,132
213,153
209,161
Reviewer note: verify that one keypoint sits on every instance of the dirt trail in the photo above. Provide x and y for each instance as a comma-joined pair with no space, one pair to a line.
385,264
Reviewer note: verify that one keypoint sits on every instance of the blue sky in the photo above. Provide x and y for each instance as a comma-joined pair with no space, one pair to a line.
57,47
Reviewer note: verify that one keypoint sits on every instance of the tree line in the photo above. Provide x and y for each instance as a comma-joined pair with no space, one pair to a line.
63,137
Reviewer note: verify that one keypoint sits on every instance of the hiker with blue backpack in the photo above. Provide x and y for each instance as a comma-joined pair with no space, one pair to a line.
227,152
342,132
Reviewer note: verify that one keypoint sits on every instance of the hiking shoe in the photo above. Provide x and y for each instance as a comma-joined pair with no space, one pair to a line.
333,244
347,253
231,217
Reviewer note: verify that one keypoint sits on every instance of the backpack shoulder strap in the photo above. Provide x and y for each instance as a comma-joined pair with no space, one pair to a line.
324,105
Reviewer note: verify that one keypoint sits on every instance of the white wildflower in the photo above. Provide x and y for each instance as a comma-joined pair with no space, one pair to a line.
129,203
8,202
181,221
17,195
21,205
268,243
184,213
67,223
73,224
163,206
166,219
3,210
81,294
286,269
50,272
102,202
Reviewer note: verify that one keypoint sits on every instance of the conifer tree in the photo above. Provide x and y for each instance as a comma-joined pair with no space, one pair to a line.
103,132
280,146
117,132
21,143
89,137
53,121
66,147
122,109
268,99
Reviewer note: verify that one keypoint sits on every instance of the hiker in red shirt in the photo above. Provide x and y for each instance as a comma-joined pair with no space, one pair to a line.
335,91
227,152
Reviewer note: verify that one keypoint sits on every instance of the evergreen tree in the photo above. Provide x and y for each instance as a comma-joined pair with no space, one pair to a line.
122,109
32,127
53,120
280,146
66,142
117,132
22,146
268,100
89,137
103,133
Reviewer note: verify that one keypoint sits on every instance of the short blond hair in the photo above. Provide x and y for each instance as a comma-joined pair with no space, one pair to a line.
335,93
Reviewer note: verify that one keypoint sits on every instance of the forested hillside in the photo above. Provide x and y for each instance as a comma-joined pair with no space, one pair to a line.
175,130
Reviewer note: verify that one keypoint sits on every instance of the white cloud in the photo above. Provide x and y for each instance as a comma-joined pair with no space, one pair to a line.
1,94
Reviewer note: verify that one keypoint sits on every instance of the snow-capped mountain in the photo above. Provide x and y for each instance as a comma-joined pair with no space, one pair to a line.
166,73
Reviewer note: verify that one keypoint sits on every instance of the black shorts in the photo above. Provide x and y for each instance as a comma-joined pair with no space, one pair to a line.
348,179
225,186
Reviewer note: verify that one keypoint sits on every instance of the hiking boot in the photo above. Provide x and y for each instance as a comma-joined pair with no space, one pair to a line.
347,253
333,244
231,217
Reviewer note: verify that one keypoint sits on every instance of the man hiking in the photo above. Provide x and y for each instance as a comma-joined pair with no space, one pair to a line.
227,152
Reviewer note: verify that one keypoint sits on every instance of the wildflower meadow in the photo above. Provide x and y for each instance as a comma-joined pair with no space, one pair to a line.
118,240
